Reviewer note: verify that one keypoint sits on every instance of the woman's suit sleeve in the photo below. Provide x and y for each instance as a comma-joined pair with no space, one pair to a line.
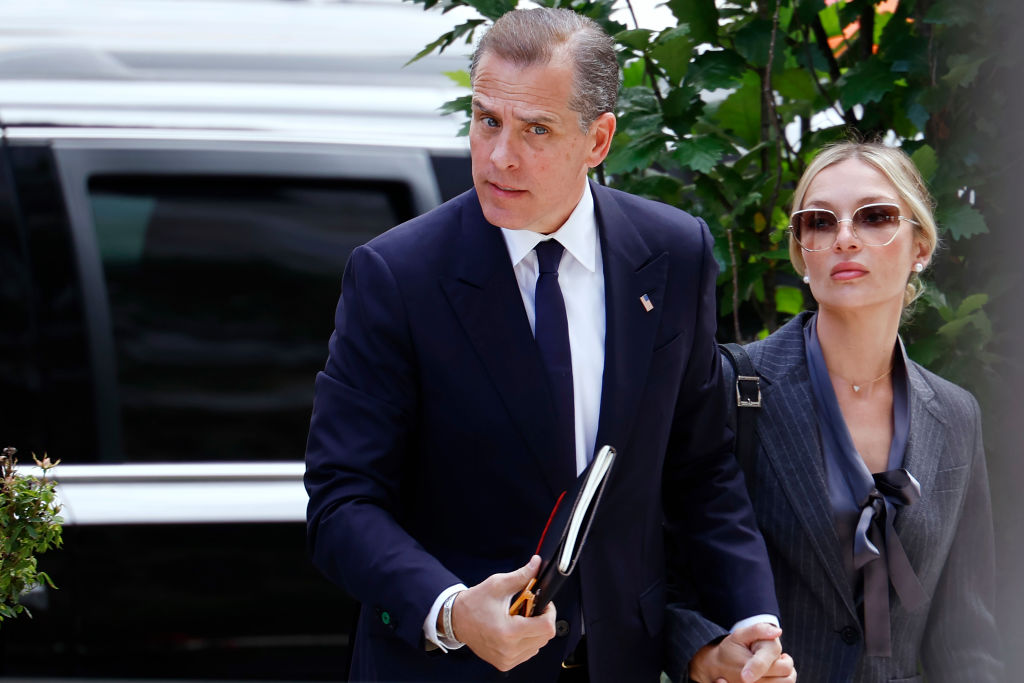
961,641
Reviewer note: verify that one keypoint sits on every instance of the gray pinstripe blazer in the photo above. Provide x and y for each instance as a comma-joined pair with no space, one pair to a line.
947,533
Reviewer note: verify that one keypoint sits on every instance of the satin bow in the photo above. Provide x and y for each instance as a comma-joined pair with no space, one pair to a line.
877,549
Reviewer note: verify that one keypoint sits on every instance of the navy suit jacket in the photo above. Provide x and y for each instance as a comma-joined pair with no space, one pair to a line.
428,461
947,533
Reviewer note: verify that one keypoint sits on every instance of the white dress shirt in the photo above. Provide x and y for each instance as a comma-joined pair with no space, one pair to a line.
581,279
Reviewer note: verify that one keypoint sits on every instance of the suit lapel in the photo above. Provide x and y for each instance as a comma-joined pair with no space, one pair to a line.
925,443
630,271
485,297
789,435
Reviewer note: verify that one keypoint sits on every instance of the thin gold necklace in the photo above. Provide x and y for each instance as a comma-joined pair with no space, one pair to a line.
857,387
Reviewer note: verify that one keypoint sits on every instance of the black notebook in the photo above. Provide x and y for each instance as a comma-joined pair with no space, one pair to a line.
566,531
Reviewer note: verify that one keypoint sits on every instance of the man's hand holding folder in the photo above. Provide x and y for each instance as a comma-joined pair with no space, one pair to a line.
482,622
564,535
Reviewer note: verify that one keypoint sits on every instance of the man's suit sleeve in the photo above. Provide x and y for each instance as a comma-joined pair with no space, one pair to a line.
961,640
359,453
713,540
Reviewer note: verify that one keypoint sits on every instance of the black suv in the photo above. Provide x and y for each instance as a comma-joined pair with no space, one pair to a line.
174,222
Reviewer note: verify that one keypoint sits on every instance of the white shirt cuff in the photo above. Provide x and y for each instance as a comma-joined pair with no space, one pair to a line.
749,621
430,624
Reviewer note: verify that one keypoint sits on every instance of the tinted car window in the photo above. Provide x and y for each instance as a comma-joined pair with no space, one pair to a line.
220,294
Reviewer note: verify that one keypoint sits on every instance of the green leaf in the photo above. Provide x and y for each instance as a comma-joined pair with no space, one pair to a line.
701,154
639,99
962,70
716,69
795,84
638,38
918,115
440,44
927,350
961,220
806,10
658,186
674,33
907,51
460,105
971,304
632,155
460,77
753,40
788,299
638,125
682,107
633,74
881,21
850,11
869,81
673,51
951,13
786,14
740,112
700,15
937,300
955,327
492,9
830,19
776,255
926,161
465,29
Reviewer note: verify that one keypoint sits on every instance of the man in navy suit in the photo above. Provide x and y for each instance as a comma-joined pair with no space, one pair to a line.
440,438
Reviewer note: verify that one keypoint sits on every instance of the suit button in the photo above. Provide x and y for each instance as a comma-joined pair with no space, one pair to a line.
385,618
850,635
561,627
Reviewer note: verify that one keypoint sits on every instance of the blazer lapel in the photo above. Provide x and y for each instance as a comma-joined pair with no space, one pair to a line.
789,435
630,271
485,296
924,444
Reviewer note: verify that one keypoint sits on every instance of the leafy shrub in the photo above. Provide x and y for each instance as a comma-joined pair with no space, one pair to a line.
29,525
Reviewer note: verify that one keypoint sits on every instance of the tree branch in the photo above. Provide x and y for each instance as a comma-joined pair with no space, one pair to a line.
821,38
769,97
735,288
867,31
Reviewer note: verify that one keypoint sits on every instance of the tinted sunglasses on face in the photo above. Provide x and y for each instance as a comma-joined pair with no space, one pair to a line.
875,225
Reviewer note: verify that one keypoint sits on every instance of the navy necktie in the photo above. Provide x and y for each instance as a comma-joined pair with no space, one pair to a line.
552,335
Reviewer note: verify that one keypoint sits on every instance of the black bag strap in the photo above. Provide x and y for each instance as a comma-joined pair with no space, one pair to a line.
748,402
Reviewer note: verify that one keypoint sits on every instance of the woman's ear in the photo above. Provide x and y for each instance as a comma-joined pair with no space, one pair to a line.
922,253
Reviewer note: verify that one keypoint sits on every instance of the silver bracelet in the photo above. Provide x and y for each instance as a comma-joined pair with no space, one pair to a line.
446,617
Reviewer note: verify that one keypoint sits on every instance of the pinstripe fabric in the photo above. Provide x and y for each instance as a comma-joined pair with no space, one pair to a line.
947,534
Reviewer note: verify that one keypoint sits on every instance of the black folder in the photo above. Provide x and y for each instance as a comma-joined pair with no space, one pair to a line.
565,534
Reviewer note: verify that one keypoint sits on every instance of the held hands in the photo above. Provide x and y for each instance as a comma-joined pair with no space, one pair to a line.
750,654
481,620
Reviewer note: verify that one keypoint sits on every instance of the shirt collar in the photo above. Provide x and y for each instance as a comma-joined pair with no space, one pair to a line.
578,235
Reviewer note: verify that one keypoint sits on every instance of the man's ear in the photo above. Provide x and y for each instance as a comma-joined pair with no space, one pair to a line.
602,130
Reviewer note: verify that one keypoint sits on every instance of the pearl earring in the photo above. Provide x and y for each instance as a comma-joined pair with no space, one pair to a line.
918,267
807,279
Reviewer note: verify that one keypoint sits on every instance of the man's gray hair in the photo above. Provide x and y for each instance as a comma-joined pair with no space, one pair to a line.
532,36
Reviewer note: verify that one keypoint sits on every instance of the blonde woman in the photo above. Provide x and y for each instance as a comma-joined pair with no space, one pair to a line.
868,477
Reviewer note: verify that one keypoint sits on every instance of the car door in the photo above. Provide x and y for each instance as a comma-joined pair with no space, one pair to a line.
171,301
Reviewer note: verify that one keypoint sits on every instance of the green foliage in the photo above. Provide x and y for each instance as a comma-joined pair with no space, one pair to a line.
30,526
721,113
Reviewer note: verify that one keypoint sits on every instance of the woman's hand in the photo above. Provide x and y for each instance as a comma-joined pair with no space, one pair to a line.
749,654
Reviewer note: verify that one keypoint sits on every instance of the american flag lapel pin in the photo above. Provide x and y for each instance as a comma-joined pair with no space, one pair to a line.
646,301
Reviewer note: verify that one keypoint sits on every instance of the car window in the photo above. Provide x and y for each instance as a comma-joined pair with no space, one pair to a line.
221,292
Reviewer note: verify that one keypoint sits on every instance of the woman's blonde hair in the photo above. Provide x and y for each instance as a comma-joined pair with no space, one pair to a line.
900,170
